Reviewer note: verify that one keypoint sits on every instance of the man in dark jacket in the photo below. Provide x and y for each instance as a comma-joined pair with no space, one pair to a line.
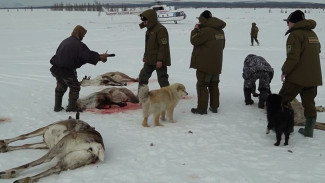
301,71
70,55
256,68
208,40
156,54
254,33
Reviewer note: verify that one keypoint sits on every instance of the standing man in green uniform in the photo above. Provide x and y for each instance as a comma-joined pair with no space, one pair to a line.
208,40
156,54
254,32
301,72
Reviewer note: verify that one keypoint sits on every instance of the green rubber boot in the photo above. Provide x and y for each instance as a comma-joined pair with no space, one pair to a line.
308,131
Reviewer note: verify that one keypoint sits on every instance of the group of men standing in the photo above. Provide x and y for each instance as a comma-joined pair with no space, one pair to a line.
301,72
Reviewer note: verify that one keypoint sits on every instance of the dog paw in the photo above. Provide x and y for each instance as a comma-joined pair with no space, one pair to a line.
145,125
164,119
277,144
172,121
158,124
286,143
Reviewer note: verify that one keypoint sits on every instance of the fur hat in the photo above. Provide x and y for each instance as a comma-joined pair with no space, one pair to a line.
206,14
79,32
295,16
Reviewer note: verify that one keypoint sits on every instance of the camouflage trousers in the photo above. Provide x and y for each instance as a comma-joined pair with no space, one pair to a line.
263,84
147,71
290,90
62,84
207,87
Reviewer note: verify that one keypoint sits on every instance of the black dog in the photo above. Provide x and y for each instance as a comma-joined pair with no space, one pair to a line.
280,118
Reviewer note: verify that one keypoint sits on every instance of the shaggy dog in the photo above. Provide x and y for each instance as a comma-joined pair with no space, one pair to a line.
73,142
280,118
110,78
157,102
109,96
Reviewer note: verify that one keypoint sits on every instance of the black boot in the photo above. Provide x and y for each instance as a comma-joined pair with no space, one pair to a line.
214,110
72,106
248,96
58,104
262,99
199,111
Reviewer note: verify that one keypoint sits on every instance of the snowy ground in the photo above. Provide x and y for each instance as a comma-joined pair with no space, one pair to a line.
227,147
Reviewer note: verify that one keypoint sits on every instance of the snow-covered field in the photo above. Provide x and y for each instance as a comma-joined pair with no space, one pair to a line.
228,147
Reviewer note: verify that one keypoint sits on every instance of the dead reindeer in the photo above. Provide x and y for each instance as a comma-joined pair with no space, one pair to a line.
109,96
73,142
299,118
110,78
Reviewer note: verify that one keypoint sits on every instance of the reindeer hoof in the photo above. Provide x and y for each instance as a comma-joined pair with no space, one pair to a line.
8,174
24,180
3,146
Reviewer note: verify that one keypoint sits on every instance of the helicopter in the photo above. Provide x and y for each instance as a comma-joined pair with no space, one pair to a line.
167,13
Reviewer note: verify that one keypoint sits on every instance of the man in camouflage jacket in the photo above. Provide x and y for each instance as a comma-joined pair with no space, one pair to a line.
256,68
208,40
156,54
301,71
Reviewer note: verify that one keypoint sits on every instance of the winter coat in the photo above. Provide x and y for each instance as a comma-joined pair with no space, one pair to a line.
254,30
302,65
70,55
208,42
156,40
254,64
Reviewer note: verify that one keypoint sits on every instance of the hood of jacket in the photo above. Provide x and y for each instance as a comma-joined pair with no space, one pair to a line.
304,24
151,15
212,22
79,32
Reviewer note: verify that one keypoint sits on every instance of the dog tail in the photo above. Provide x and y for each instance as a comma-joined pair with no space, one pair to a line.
143,93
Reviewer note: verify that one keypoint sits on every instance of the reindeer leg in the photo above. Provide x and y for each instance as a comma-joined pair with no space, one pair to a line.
41,145
71,161
4,143
12,173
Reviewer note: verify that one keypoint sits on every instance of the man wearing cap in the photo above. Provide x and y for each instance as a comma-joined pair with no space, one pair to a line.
70,55
208,40
254,32
301,71
156,55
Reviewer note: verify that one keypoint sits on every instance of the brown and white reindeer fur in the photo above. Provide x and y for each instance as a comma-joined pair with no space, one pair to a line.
109,96
299,118
73,142
110,78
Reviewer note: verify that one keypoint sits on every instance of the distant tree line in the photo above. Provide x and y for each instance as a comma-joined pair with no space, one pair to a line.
86,7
